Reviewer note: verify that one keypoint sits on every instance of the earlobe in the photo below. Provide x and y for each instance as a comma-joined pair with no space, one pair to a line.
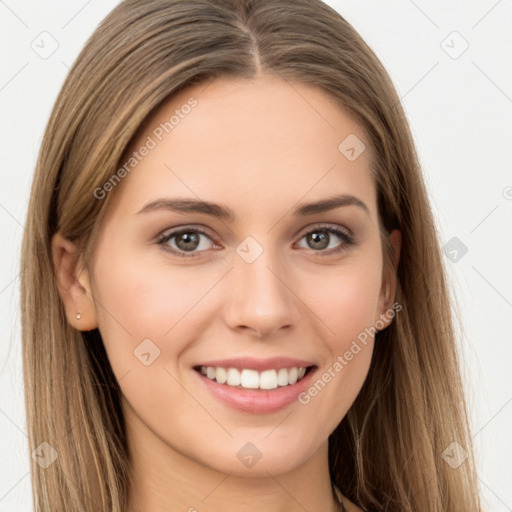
73,284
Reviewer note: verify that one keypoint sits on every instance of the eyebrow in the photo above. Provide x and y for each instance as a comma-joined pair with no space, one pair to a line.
221,212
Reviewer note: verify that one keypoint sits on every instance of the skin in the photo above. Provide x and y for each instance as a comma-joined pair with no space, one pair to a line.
258,147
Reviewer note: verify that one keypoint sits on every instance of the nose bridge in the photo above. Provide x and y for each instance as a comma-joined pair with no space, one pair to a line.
260,299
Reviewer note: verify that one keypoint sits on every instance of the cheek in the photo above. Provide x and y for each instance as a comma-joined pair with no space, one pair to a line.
345,299
139,298
347,306
129,290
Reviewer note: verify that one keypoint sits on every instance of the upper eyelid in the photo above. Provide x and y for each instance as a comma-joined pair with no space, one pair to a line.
172,232
327,226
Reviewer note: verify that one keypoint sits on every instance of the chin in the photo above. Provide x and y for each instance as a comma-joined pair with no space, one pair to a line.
258,458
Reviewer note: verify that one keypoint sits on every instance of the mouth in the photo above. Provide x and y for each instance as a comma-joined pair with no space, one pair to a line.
255,386
254,380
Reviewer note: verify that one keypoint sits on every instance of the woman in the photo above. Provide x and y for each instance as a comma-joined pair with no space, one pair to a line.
233,292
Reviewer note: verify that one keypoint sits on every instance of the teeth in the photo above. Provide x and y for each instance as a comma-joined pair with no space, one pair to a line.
221,375
282,377
268,379
233,377
252,379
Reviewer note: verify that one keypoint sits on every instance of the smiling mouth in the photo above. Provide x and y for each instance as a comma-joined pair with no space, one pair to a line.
250,379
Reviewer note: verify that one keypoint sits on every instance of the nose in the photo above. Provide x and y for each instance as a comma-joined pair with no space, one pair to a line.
261,301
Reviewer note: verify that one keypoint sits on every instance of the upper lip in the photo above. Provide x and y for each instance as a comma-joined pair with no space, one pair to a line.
272,363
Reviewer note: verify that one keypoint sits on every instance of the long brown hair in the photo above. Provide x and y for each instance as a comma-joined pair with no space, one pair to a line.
386,454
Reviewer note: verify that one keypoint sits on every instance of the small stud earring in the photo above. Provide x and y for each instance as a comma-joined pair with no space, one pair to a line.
79,315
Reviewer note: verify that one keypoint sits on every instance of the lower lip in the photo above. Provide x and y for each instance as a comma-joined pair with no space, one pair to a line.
257,401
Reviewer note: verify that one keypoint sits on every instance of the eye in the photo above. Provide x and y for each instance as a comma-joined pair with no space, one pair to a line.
183,241
190,242
322,237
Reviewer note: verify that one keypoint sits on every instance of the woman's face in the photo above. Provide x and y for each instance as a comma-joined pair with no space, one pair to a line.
253,282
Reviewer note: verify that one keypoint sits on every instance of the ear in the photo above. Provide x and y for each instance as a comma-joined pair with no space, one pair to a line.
73,284
388,289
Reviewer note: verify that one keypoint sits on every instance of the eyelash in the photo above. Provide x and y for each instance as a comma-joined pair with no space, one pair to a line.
348,241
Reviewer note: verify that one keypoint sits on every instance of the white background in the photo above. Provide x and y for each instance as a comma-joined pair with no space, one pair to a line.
460,111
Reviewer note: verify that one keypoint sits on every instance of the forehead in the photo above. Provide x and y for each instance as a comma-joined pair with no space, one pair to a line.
264,141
